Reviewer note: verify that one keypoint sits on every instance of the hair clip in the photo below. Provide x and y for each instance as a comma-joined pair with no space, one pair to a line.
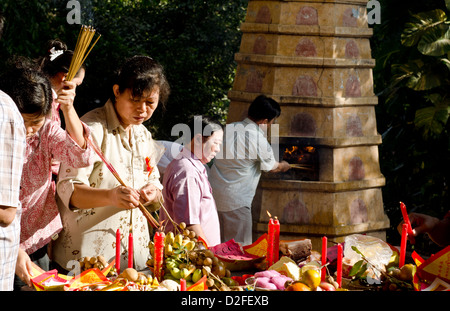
55,53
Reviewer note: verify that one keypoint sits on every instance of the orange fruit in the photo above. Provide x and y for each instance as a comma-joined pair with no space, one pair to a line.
298,287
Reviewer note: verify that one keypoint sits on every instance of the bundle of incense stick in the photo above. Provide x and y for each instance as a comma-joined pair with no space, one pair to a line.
144,211
81,50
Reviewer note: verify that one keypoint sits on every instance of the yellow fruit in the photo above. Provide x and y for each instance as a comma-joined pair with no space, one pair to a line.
185,274
197,275
178,239
169,239
311,278
190,245
176,273
407,272
168,249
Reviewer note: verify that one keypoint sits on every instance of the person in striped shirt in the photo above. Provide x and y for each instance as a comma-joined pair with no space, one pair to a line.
12,149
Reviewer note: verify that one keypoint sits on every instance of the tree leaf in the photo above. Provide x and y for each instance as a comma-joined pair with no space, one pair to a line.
418,75
432,119
420,24
356,267
361,271
436,41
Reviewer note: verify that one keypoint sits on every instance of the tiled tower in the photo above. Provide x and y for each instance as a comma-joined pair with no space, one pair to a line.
314,58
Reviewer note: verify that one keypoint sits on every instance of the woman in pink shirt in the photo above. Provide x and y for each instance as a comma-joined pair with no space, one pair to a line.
187,192
40,222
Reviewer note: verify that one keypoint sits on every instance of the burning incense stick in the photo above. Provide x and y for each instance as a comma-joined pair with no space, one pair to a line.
79,54
144,211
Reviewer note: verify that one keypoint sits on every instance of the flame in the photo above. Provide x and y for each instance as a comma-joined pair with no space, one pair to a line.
296,154
310,149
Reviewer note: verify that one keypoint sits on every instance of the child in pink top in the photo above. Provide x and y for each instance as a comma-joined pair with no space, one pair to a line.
46,140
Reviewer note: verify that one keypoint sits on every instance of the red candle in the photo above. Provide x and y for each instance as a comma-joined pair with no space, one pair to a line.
324,257
406,221
130,249
276,241
403,245
339,265
270,241
159,255
182,285
118,251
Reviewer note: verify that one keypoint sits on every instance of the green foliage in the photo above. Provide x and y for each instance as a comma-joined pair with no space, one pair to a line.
194,40
429,32
412,83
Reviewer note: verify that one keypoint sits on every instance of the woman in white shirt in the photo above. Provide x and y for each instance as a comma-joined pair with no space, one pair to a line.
93,204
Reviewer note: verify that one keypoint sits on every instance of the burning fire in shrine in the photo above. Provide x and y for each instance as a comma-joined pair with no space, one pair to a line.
303,160
299,155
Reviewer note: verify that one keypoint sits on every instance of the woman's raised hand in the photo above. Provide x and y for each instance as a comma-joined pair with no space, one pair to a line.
66,95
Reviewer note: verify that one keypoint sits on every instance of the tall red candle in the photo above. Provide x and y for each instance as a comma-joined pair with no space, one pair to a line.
182,285
403,242
406,221
324,257
130,249
339,265
270,240
159,255
118,251
276,240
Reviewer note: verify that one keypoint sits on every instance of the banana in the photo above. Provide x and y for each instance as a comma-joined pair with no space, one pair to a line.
190,245
171,264
178,240
186,273
168,249
176,273
197,275
170,238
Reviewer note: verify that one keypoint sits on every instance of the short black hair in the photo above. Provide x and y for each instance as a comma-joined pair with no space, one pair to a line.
51,67
204,125
140,74
28,87
263,107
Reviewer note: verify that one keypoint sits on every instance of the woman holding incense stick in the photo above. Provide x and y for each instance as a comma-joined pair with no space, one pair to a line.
45,140
93,203
55,65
